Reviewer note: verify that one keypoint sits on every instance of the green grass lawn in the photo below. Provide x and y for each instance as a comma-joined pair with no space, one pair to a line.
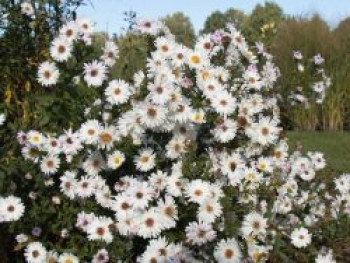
335,146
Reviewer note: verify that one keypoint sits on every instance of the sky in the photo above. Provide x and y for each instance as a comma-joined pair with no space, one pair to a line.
108,14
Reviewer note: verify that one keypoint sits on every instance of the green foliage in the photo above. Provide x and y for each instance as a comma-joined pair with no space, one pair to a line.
181,27
24,43
133,50
263,22
25,102
214,21
341,67
218,20
313,36
236,16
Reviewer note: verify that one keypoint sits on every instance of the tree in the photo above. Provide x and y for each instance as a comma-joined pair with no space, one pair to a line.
236,16
342,34
263,22
181,26
219,20
215,21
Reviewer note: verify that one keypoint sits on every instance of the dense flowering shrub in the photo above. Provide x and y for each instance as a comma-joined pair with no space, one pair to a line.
185,164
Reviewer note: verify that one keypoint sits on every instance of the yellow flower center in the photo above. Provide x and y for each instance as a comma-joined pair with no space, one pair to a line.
198,117
251,176
35,138
205,74
144,159
195,59
262,166
117,160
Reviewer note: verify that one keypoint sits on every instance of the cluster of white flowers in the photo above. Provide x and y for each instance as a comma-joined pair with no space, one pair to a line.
184,102
61,50
317,91
35,252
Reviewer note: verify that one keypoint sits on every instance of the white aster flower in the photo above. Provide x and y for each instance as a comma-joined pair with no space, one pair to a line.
101,256
225,131
151,115
141,194
85,26
61,49
94,164
69,31
115,160
223,103
197,191
11,208
35,252
254,224
110,53
99,229
197,60
50,164
300,237
95,73
145,160
89,131
67,257
106,137
71,142
118,92
86,187
228,251
68,184
209,211
48,74
199,233
150,224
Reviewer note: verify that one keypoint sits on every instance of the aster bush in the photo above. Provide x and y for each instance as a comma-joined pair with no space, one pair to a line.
186,163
